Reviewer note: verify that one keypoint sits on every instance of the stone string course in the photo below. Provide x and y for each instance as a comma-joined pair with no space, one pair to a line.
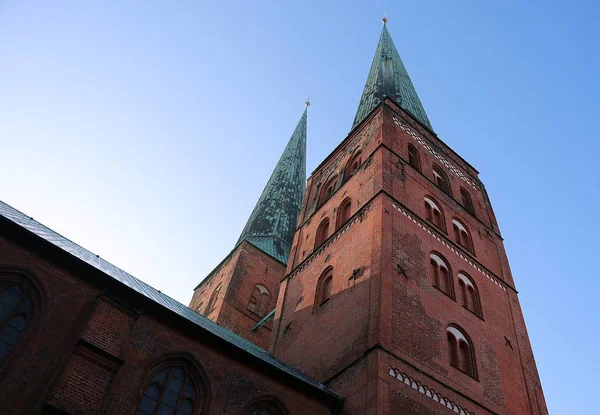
457,252
358,217
435,154
430,393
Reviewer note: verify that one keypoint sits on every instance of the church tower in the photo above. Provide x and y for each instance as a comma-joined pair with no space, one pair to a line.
241,292
398,293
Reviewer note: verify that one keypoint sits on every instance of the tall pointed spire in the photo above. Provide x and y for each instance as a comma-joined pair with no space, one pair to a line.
388,78
272,224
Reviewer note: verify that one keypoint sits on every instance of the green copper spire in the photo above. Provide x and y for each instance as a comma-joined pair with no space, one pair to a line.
388,78
272,224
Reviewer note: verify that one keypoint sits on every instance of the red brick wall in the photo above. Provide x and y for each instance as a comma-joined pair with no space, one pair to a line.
90,354
394,306
253,267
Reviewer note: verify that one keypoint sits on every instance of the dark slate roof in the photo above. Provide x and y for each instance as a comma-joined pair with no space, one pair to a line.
153,294
272,224
388,78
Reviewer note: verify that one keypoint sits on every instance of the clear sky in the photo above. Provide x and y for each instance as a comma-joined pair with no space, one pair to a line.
146,130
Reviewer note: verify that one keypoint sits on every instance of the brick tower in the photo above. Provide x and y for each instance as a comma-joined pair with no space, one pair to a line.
242,290
398,293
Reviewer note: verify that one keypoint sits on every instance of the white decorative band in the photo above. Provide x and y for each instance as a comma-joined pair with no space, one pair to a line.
457,252
430,393
435,154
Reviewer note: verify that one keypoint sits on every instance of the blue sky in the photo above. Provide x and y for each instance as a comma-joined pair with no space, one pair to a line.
145,131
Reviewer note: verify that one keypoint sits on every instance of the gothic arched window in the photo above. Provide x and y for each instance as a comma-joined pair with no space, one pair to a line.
465,200
16,315
460,348
469,293
434,214
322,233
441,180
462,236
344,212
259,300
413,157
213,299
353,165
442,278
170,391
324,287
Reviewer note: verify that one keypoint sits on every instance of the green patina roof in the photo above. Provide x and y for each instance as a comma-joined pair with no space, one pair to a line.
388,78
272,224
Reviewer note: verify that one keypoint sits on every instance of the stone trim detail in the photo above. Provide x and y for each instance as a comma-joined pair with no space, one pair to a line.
430,393
435,154
358,217
457,252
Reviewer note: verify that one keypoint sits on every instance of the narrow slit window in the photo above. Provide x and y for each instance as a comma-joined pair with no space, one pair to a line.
413,157
441,180
467,203
322,233
324,287
344,212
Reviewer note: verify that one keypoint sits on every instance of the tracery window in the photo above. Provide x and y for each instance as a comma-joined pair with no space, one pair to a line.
462,355
441,180
462,235
16,315
469,294
414,158
466,201
171,391
322,233
434,214
344,212
324,287
442,278
259,300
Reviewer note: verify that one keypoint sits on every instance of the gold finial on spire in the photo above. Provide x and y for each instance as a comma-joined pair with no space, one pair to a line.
307,102
384,19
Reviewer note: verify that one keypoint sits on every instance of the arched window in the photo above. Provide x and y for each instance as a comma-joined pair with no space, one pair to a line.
324,287
171,391
353,165
344,212
259,300
413,157
434,214
213,299
469,294
442,279
328,190
322,233
465,199
441,180
462,355
462,236
16,315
